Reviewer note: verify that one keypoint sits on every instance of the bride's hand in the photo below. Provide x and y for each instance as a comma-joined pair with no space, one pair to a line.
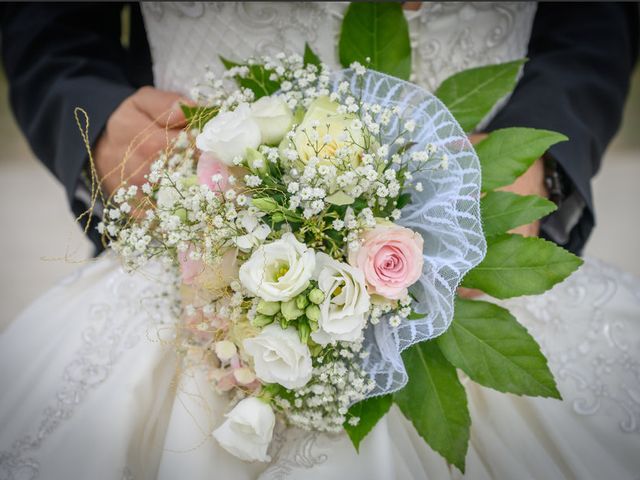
531,183
136,131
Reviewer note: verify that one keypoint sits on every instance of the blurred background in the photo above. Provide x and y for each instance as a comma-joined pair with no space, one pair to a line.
40,242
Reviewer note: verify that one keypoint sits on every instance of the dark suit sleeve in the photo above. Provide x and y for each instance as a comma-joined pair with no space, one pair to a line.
576,80
58,57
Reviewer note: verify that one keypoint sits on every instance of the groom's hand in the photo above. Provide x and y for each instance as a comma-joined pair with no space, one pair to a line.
136,131
530,183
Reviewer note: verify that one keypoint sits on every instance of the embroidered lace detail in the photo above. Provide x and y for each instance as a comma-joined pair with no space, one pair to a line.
292,449
447,37
114,325
587,329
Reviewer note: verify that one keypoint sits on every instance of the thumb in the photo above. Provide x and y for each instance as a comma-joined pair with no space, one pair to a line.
161,107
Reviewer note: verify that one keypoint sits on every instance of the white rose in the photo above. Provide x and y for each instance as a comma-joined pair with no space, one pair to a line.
280,357
343,312
280,270
229,134
247,431
274,117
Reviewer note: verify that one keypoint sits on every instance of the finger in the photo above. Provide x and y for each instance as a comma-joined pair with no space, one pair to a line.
529,230
469,292
477,137
147,151
161,107
530,182
411,5
125,131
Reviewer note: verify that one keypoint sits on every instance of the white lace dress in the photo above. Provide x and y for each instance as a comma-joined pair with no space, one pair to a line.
90,388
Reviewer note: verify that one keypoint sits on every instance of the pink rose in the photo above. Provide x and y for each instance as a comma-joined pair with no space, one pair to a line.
208,166
391,258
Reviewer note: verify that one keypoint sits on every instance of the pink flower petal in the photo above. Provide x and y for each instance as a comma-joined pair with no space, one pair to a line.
208,166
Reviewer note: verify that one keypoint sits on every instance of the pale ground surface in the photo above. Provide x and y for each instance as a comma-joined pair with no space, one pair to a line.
38,231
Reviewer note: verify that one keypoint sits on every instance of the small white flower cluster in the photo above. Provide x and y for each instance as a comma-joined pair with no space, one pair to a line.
299,83
336,384
220,93
396,314
184,214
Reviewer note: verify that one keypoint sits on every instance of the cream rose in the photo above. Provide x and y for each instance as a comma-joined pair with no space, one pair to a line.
229,134
346,303
274,117
329,125
280,357
280,270
247,431
391,258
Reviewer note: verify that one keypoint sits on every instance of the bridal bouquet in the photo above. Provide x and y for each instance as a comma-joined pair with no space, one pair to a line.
319,224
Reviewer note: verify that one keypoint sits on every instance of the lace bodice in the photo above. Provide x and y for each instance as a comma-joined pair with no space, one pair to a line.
446,37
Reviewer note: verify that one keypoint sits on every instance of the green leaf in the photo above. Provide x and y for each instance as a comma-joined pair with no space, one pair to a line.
369,411
507,153
416,315
435,402
310,57
515,265
266,204
378,32
198,116
406,147
257,80
472,93
403,200
487,343
502,211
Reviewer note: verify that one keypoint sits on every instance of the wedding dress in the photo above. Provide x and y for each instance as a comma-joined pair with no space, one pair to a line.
91,387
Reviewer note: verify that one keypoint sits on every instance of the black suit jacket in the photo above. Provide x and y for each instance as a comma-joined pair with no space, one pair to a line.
59,56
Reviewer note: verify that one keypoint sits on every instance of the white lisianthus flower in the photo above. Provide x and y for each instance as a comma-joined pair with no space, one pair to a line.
247,431
274,117
346,303
229,134
280,357
256,231
280,270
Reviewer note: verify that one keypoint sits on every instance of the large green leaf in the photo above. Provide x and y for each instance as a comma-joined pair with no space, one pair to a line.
369,412
435,402
257,80
502,211
515,265
487,343
378,32
472,93
507,153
